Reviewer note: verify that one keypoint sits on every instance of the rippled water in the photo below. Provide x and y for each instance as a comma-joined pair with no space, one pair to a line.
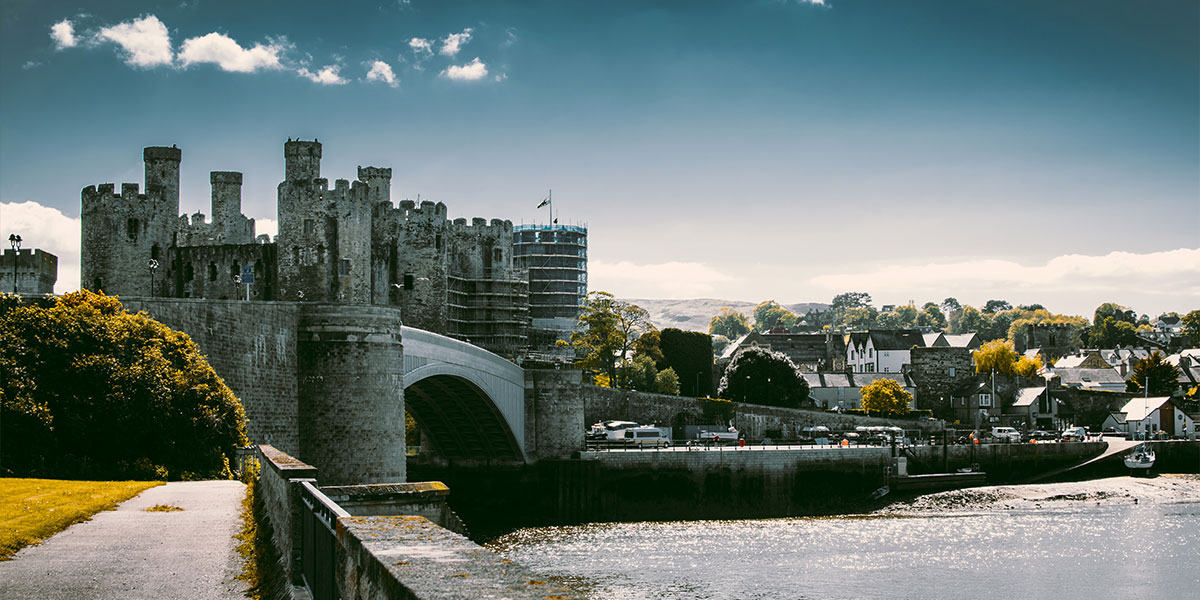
1138,551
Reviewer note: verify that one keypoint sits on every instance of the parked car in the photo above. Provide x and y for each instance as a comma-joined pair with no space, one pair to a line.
1006,434
1042,435
1074,434
647,436
609,430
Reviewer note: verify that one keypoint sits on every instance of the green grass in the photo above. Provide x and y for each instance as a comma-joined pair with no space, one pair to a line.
32,510
261,564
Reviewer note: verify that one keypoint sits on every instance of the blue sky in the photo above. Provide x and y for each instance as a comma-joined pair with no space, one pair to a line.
1034,151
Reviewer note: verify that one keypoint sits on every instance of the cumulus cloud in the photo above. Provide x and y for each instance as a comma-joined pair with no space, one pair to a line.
471,71
381,71
50,230
420,46
326,76
223,51
454,42
63,34
145,41
657,280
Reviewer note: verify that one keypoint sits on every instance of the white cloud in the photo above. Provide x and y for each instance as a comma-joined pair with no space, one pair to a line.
454,42
662,280
326,76
63,34
47,229
471,71
511,37
267,226
502,77
381,71
31,64
145,41
221,50
420,46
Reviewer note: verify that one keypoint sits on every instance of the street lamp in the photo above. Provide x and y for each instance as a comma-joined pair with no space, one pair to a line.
14,240
153,267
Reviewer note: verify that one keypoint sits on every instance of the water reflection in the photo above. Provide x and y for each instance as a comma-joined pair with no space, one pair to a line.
1128,551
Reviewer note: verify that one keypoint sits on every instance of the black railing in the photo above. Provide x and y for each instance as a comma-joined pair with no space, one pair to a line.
318,549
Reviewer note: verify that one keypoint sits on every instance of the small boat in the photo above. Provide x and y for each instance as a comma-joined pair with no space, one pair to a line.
1140,459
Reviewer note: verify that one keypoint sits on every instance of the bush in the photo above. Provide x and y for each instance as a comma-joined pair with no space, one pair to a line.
91,391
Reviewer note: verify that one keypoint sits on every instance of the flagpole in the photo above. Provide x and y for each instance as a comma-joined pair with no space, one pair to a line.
550,197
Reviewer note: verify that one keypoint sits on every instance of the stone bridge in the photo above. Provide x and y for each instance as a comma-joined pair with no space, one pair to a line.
470,402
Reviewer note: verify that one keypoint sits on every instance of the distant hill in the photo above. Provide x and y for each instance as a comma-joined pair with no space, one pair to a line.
694,314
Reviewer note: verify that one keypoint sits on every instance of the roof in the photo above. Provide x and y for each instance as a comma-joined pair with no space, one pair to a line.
836,380
1032,353
1027,396
1119,417
963,340
1138,409
865,379
1086,376
896,339
934,339
1068,362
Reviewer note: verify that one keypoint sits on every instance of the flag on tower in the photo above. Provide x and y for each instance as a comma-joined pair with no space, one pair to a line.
544,202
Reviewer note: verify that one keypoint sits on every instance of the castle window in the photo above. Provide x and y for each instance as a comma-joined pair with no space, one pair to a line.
408,281
131,229
438,242
344,267
497,254
212,271
320,254
188,274
96,285
308,227
154,252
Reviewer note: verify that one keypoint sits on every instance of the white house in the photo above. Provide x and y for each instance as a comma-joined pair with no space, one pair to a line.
881,350
1158,413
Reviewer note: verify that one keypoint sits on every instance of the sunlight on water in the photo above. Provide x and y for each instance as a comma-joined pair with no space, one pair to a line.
1148,551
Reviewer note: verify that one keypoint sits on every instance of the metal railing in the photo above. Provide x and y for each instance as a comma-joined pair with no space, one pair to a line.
318,548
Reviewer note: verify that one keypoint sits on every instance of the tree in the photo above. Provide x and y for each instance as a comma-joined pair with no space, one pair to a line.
859,318
996,355
1191,327
770,314
92,391
1031,307
907,316
995,306
1116,312
951,305
1027,367
758,375
1108,332
886,396
1162,375
689,355
649,344
667,382
932,316
729,323
608,328
971,321
641,374
850,300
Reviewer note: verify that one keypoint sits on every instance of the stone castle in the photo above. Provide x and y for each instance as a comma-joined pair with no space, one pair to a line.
342,244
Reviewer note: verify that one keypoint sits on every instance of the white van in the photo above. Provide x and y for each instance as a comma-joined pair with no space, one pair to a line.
1007,434
647,436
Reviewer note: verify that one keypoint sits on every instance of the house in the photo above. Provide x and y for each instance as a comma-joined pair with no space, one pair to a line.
1105,379
974,404
881,350
844,390
963,340
810,352
1034,407
1141,415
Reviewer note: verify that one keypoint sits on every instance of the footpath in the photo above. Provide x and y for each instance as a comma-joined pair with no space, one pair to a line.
130,553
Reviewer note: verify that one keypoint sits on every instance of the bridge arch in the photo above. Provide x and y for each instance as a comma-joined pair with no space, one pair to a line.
470,402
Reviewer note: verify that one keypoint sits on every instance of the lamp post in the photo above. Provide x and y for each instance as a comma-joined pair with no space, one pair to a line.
14,240
153,267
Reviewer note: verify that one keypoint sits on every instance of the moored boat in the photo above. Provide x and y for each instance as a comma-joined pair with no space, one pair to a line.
1140,459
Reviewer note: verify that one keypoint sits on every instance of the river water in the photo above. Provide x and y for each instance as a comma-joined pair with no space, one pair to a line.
1117,538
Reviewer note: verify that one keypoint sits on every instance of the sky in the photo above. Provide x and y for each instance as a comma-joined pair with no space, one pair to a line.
1032,151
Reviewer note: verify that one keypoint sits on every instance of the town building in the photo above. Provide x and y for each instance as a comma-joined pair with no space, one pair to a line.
844,390
881,350
555,256
810,352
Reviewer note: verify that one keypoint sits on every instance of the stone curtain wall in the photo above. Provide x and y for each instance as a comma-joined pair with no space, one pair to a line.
554,413
252,346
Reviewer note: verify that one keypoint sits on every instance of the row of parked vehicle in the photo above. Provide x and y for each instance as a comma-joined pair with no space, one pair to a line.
629,433
1011,435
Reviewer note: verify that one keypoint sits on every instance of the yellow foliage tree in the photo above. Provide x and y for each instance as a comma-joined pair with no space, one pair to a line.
886,396
996,355
1028,367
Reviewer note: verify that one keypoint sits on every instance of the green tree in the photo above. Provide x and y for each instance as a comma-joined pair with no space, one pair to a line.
906,316
1116,312
729,323
932,316
995,306
997,355
91,391
1162,375
1108,332
688,354
850,300
641,374
1191,327
951,304
972,321
886,396
760,376
607,330
649,344
667,382
859,318
769,313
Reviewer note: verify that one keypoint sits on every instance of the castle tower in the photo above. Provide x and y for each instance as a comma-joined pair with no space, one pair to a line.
162,173
232,226
379,179
302,160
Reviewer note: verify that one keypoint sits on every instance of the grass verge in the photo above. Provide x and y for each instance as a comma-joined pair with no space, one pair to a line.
32,510
262,567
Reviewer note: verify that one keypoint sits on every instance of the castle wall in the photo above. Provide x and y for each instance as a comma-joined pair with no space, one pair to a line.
932,369
36,272
208,271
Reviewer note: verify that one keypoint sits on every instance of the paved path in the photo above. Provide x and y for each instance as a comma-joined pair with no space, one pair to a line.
129,553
